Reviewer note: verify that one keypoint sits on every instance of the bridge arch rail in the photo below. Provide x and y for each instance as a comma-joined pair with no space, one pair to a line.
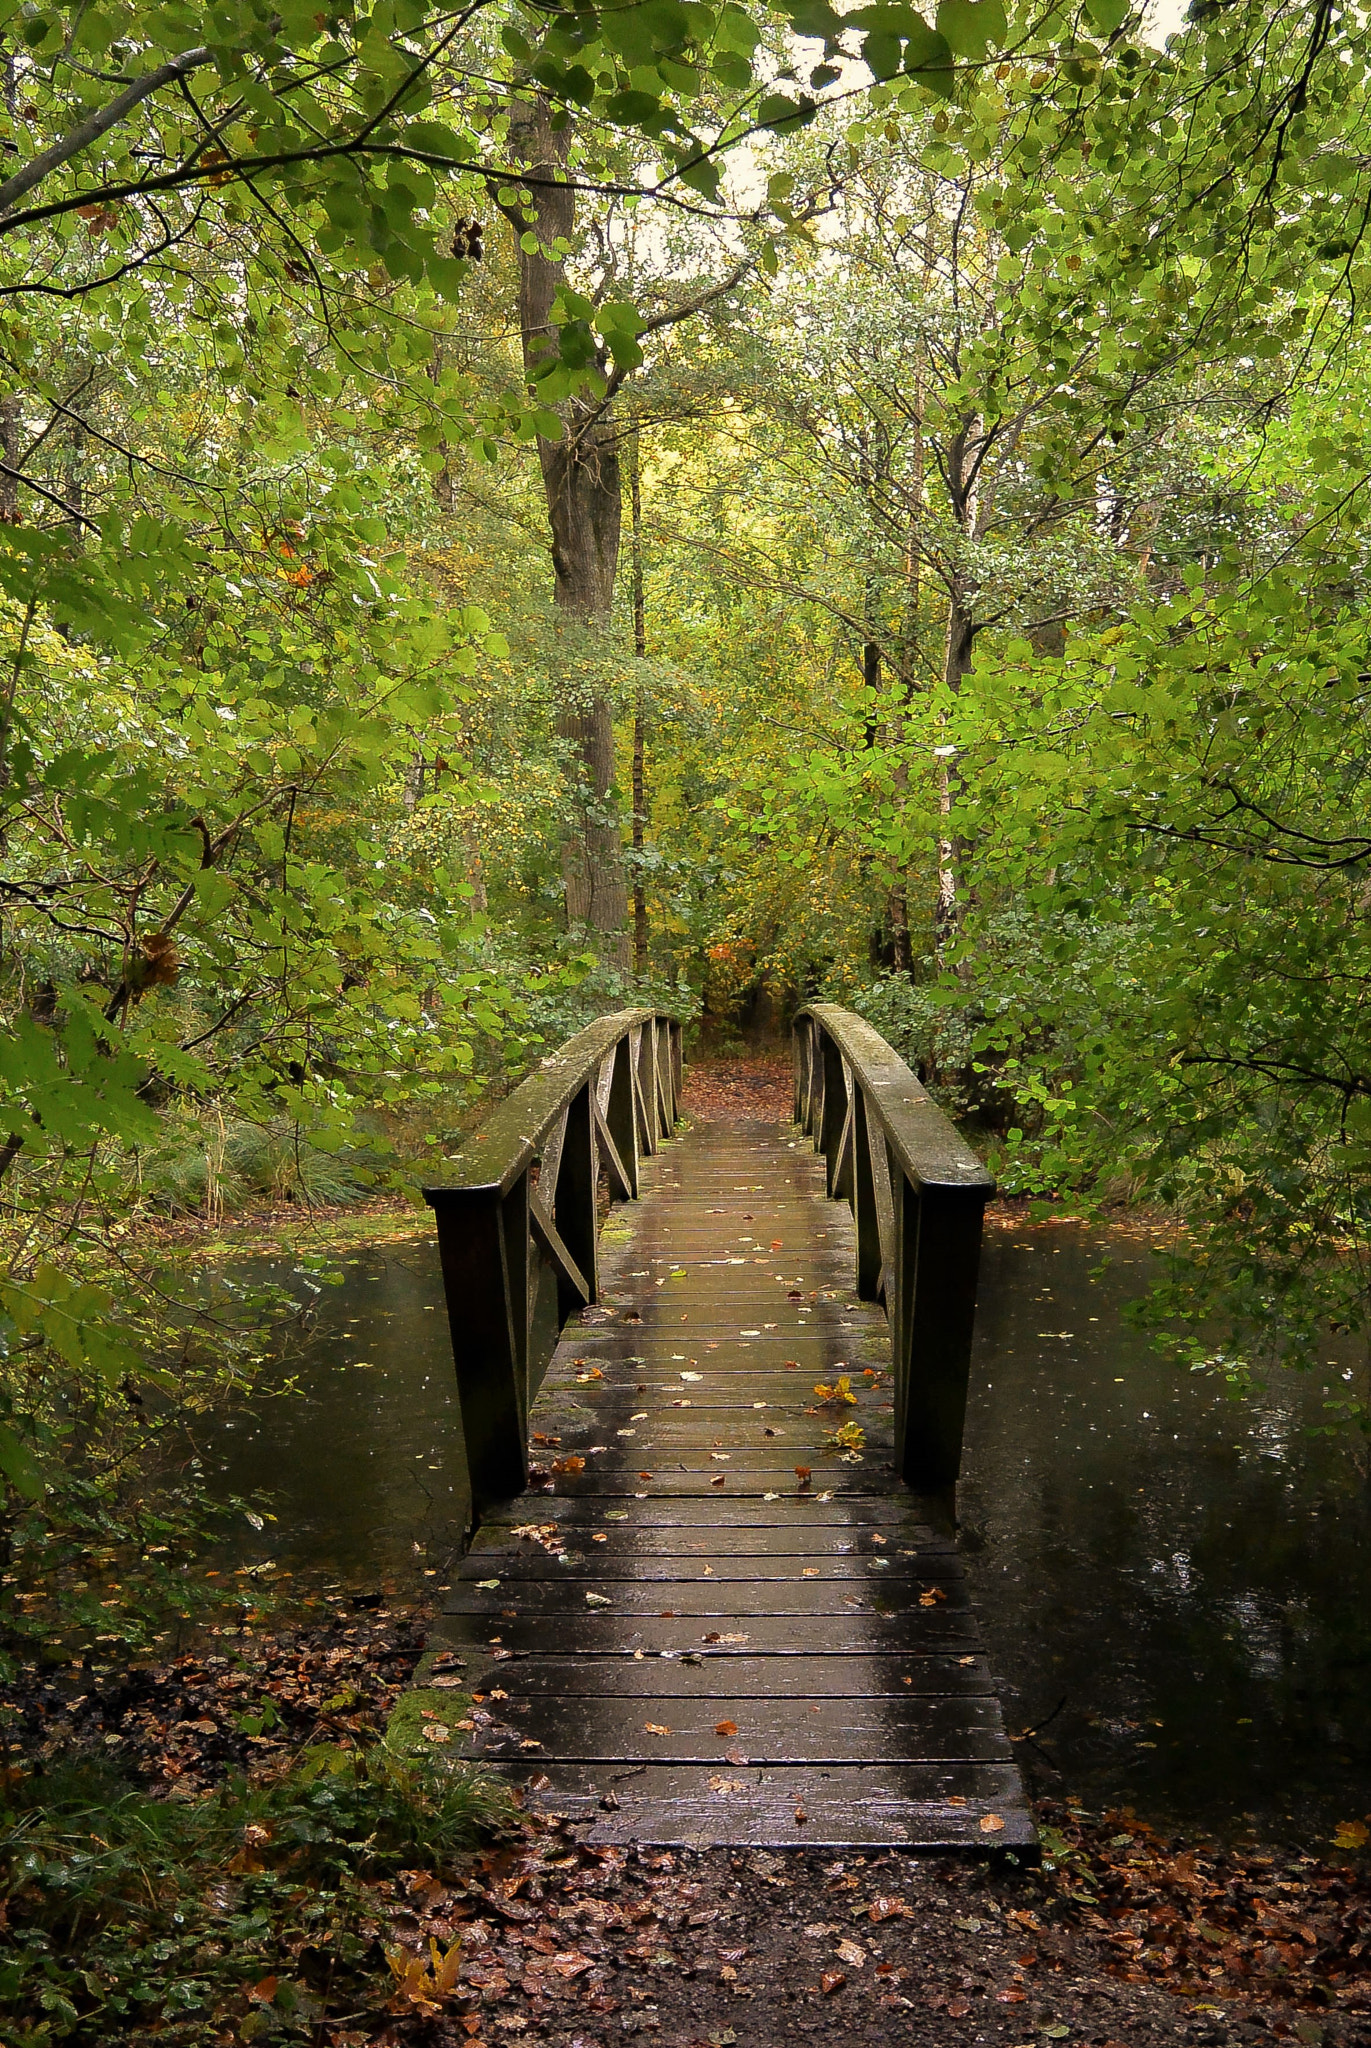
518,1228
917,1193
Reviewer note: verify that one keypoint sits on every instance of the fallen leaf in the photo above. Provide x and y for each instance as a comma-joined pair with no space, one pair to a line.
804,1474
957,2009
727,1728
1351,1834
736,1758
886,1908
932,1596
644,1475
832,1980
853,1954
656,1728
719,1481
991,1824
800,1816
436,1732
598,1600
572,1464
1011,1997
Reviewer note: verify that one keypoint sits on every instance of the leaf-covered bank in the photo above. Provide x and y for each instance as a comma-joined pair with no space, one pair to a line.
225,1847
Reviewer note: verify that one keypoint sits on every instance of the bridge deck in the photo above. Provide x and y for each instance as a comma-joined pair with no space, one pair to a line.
676,1636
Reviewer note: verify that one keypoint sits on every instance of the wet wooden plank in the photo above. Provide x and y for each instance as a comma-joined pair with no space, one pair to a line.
855,1511
804,1676
703,1597
662,1729
586,1567
815,1808
852,1632
805,1541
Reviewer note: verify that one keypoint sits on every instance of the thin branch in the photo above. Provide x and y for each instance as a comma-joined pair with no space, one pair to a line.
99,123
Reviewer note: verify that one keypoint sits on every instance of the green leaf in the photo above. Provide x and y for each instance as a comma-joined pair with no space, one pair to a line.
1108,15
19,1465
971,27
928,58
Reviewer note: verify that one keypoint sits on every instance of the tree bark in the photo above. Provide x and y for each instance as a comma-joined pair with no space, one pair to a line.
582,487
640,924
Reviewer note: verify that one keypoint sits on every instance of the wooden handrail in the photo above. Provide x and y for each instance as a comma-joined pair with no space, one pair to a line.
917,1193
518,1224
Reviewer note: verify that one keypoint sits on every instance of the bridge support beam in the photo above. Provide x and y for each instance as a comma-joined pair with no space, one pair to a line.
483,1243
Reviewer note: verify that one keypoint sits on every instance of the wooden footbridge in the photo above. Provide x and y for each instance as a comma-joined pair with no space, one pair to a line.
713,1594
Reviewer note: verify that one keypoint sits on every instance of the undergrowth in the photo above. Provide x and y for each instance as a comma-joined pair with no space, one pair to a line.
258,1913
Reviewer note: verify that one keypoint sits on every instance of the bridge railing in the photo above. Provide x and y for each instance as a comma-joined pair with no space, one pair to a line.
518,1225
917,1193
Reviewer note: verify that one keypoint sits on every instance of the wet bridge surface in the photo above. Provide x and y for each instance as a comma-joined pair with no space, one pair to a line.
706,1622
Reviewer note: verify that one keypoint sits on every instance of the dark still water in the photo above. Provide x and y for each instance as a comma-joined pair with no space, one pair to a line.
353,1433
1181,1584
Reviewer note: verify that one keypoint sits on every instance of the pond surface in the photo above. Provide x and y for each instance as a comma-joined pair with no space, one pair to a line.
1176,1586
352,1440
1183,1584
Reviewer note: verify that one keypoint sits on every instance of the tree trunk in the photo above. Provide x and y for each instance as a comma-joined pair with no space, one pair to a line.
582,488
640,926
961,631
9,455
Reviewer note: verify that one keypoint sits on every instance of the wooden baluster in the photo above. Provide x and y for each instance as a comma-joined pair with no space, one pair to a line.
484,1248
661,1054
647,1085
833,1116
574,1205
938,1251
621,1112
863,1198
811,1077
677,1067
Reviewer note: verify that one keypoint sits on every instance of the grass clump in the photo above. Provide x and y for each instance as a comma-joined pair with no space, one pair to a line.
259,1912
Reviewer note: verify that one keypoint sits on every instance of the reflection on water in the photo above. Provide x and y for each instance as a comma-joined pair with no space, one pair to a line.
353,1432
1187,1578
1179,1582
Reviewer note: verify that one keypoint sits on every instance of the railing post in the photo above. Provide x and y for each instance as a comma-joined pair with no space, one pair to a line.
661,1055
833,1114
647,1085
574,1204
621,1114
483,1245
864,1212
805,1039
938,1249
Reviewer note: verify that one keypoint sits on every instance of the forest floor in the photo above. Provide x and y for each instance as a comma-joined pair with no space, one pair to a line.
272,1915
218,1846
